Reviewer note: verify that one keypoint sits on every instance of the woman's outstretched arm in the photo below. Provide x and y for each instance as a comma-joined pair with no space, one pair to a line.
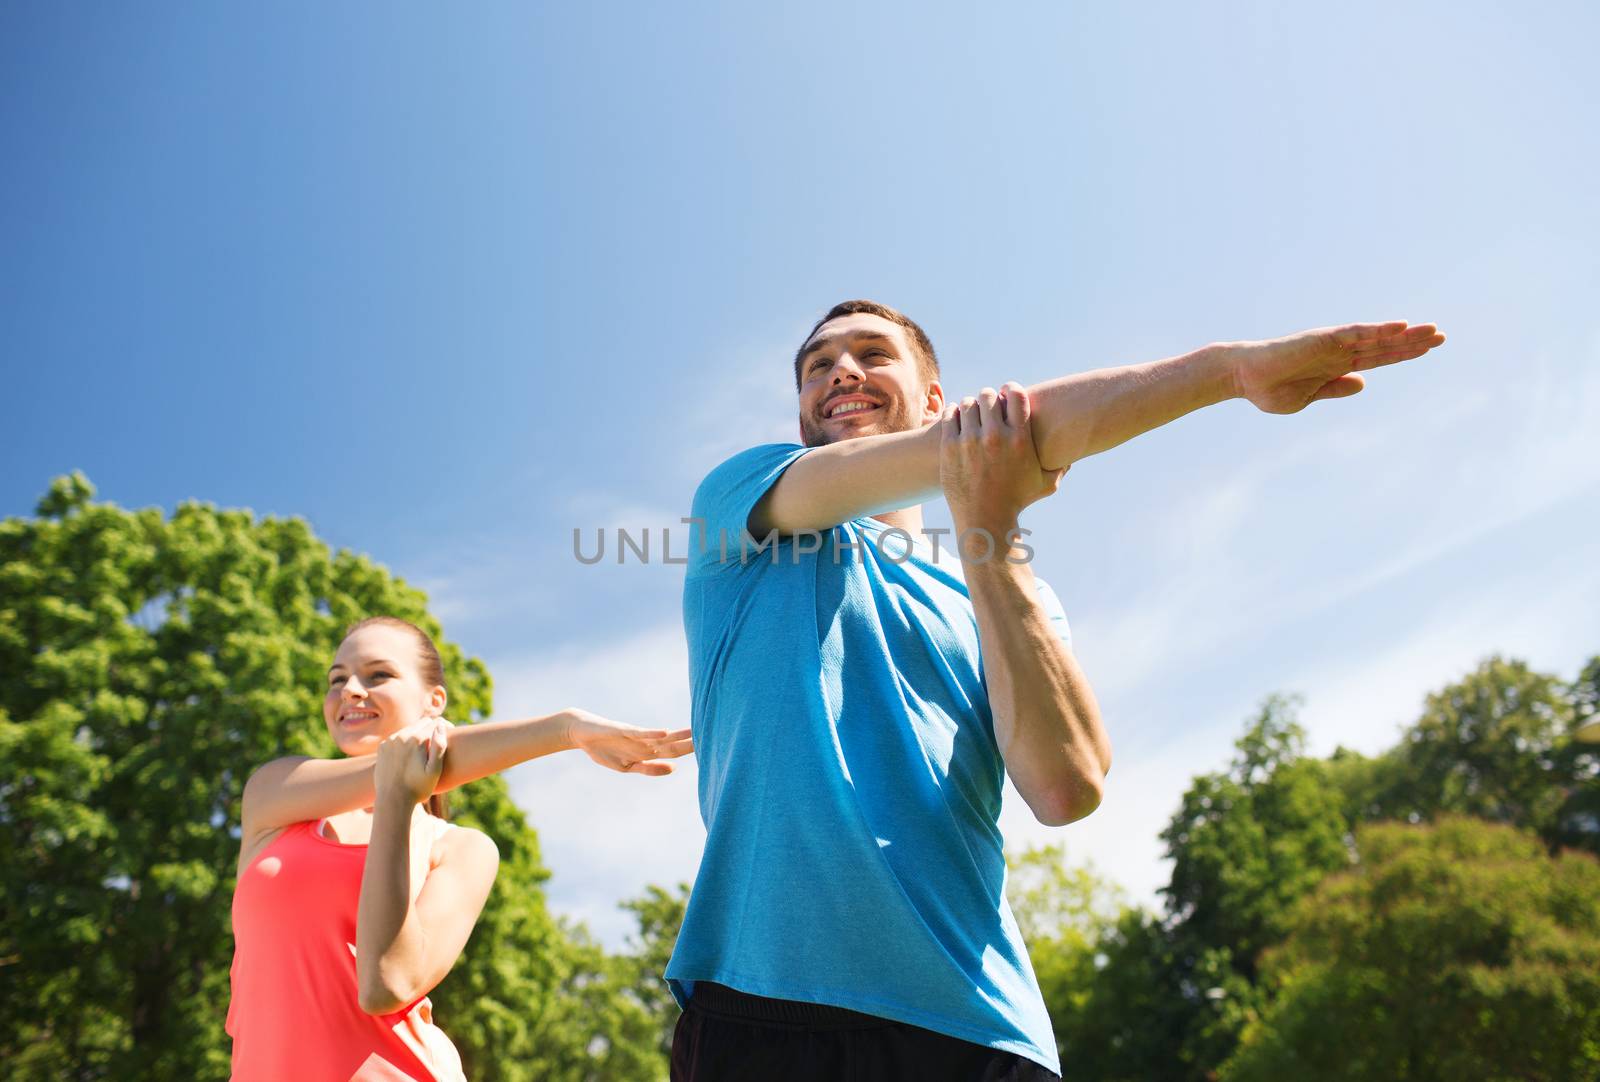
297,788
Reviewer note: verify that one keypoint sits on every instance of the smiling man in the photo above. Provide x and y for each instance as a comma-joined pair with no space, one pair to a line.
859,698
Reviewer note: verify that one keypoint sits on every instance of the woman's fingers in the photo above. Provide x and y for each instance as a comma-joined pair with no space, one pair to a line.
433,749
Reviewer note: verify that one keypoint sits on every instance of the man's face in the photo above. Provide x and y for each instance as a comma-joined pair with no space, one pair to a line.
859,376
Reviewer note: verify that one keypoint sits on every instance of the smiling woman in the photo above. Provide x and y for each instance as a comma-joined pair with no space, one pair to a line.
362,689
355,895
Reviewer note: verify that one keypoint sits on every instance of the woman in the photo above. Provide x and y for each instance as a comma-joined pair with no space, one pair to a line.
355,896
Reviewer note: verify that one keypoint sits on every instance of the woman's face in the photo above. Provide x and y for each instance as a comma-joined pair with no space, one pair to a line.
375,688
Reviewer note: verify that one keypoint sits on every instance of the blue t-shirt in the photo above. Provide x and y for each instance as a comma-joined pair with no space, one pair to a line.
849,777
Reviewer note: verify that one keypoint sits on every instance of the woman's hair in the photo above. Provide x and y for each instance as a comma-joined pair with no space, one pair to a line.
430,667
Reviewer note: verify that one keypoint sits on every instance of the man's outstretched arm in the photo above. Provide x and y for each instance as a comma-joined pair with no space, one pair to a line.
1077,416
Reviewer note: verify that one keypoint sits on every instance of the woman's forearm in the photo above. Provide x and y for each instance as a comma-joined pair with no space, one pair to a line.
476,751
391,944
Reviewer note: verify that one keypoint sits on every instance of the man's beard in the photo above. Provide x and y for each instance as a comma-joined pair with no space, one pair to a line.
891,416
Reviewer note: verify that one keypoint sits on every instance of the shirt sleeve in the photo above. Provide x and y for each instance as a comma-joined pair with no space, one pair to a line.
1053,609
724,500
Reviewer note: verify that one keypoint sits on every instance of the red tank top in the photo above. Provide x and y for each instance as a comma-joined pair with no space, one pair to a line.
294,1012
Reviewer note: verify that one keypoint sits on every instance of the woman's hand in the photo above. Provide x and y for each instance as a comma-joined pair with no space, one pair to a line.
411,760
625,748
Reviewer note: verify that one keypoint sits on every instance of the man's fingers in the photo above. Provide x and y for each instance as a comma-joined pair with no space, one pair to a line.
1413,343
1343,387
1379,358
1356,333
1018,409
654,770
989,409
1424,334
970,422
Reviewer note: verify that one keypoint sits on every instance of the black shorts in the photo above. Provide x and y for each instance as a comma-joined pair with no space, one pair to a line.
729,1036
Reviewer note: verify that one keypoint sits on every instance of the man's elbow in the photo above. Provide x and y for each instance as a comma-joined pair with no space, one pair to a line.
1068,801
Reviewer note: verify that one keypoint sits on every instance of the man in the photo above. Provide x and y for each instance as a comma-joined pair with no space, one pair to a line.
859,698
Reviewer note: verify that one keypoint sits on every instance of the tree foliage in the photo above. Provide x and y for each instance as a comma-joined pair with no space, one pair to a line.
659,912
1484,746
1460,950
151,663
1171,996
1248,843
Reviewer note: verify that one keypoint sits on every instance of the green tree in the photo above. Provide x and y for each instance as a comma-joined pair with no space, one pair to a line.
1053,899
1460,950
1577,769
1063,912
659,912
151,663
1248,843
1126,1017
1484,746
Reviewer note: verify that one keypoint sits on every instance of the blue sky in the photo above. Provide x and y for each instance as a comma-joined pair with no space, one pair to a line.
450,283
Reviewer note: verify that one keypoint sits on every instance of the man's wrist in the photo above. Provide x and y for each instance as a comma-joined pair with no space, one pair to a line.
1218,365
568,721
986,539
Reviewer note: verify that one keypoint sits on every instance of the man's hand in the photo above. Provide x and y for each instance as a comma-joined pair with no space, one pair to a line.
1284,375
987,462
410,762
624,748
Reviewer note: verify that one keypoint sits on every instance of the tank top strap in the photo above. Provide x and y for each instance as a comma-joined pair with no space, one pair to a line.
441,827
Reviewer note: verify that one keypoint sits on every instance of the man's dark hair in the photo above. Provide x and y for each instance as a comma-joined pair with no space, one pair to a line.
927,360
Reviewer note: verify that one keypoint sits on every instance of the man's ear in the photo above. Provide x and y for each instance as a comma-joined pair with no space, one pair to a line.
933,402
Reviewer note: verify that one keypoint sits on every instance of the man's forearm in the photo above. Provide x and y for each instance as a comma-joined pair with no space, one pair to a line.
1081,415
1046,721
